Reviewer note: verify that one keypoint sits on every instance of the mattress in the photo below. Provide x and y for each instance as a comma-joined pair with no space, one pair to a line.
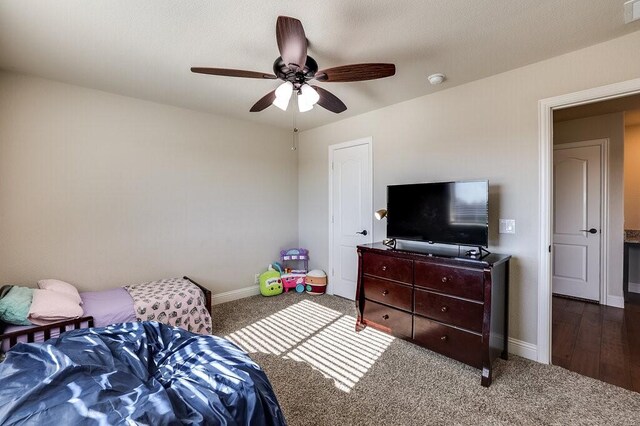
107,307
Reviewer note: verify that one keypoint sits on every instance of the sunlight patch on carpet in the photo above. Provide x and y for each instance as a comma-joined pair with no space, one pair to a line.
285,329
321,337
340,353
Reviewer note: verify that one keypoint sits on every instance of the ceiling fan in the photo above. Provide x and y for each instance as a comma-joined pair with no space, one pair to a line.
296,69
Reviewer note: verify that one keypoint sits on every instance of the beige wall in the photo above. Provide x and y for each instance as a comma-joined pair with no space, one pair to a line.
609,126
484,129
103,190
632,196
632,177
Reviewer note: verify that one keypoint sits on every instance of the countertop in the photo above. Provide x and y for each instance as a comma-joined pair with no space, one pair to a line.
632,236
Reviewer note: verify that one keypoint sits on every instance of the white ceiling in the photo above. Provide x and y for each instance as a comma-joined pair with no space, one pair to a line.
145,48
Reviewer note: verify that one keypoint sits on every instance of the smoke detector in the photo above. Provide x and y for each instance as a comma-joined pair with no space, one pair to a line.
631,11
438,78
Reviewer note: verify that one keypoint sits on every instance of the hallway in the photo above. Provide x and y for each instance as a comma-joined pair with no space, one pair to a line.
598,341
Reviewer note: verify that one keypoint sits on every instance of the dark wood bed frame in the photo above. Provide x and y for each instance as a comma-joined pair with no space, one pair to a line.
206,291
74,324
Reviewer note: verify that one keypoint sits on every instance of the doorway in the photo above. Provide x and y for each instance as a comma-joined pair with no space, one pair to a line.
547,107
579,204
598,335
350,212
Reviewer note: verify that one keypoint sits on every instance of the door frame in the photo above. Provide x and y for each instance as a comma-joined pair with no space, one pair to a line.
545,170
604,208
332,149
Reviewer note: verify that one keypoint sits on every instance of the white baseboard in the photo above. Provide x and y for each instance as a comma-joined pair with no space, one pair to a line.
615,301
523,349
240,293
634,287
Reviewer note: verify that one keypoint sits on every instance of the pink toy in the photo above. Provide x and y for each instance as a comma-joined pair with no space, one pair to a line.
291,281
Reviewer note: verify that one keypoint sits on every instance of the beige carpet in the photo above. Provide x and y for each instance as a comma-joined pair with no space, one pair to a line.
326,374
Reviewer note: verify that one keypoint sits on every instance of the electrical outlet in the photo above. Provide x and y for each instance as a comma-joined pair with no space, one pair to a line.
256,279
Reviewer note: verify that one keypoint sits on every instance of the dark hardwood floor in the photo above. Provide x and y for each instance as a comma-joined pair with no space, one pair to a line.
597,341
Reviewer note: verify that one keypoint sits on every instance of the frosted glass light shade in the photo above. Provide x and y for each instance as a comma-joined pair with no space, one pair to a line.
308,95
283,94
303,106
281,103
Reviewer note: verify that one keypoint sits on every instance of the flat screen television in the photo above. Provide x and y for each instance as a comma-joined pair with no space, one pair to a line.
440,212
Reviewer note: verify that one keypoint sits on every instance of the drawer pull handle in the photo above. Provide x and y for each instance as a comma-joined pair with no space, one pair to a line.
444,338
385,317
444,309
384,293
445,279
384,268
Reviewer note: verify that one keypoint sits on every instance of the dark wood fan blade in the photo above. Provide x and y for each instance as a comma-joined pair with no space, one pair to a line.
292,42
232,73
329,101
356,72
264,102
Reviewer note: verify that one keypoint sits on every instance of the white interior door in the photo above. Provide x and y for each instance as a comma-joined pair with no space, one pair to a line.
351,213
577,185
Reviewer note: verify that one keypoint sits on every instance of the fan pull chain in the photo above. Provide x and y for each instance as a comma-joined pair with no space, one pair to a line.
294,142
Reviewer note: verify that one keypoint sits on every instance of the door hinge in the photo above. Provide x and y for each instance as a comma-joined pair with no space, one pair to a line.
332,165
331,218
549,248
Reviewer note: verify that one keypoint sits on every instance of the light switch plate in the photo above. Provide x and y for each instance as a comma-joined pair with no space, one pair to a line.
507,226
631,11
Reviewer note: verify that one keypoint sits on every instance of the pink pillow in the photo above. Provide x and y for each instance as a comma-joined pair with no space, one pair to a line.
61,287
50,306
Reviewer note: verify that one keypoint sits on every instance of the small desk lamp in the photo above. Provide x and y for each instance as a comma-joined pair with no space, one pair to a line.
389,242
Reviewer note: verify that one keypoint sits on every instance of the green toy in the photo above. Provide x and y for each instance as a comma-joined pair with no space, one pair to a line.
270,283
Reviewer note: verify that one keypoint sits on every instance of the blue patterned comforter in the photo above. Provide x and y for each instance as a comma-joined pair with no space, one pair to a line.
135,373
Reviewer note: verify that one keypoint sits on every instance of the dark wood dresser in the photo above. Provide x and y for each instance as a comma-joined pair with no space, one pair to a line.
453,305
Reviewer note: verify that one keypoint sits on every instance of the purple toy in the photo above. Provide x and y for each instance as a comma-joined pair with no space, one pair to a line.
296,254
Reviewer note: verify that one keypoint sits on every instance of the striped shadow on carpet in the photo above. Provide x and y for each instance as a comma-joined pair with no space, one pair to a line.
322,337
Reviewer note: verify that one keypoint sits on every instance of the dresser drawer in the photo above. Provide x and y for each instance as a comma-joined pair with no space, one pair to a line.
452,280
391,320
457,344
388,267
388,292
458,312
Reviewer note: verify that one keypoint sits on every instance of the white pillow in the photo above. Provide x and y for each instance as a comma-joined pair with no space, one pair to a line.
50,306
61,287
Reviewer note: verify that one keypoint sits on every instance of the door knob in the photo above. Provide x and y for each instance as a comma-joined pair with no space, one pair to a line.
591,231
363,232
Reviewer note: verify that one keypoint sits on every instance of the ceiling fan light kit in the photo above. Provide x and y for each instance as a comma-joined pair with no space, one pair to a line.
283,94
304,107
307,98
296,68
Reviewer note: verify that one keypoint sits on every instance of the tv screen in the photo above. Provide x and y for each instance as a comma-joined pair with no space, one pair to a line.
442,212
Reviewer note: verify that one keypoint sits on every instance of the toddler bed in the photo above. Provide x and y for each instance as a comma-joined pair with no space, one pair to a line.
179,302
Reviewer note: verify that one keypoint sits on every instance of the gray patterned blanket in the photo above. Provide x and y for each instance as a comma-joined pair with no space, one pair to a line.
174,301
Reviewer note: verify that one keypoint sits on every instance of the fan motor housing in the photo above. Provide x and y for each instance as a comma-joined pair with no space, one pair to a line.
297,78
